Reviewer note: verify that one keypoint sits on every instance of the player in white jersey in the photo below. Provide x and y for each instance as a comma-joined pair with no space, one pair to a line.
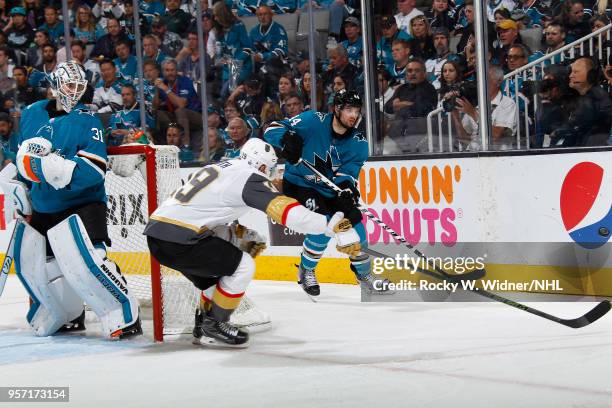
191,232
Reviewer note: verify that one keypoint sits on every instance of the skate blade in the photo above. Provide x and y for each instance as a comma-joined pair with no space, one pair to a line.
370,291
214,343
312,298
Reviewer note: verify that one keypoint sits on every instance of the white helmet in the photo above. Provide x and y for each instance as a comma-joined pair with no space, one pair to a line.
256,152
69,83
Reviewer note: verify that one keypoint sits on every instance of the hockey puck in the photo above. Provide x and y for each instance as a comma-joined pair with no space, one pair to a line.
604,232
124,232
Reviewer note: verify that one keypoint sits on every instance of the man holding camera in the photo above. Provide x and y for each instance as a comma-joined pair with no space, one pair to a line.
503,115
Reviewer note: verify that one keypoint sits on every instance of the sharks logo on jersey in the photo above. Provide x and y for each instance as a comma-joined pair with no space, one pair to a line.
327,165
338,159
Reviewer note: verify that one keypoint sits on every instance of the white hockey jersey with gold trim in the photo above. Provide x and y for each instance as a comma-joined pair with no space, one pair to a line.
220,193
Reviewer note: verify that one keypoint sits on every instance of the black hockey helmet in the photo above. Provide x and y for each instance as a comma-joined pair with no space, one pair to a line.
345,98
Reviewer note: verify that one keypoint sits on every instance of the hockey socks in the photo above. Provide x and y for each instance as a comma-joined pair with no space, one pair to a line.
223,304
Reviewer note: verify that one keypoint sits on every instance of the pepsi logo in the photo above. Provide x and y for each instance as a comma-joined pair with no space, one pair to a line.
586,205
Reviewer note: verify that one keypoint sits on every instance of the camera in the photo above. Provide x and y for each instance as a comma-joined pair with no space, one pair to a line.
529,88
464,89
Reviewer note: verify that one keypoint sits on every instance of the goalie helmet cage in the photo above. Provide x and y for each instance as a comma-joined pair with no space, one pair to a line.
153,174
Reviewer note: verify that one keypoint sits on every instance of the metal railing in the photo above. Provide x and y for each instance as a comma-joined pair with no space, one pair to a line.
439,113
527,108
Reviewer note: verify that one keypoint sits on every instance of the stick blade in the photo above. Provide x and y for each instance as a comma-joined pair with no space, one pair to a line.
591,316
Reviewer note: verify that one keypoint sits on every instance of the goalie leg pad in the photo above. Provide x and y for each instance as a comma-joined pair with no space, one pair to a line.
59,285
54,302
96,278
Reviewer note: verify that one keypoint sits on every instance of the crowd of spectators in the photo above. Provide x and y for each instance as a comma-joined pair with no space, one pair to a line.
425,59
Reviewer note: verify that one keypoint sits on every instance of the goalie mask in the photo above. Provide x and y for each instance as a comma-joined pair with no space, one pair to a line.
69,83
256,152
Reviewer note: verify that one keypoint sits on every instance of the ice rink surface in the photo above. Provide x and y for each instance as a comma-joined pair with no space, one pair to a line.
338,352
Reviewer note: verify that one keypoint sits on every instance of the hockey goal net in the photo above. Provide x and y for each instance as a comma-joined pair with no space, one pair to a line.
140,177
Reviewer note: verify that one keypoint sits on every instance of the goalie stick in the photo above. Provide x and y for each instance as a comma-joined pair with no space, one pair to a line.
8,258
592,315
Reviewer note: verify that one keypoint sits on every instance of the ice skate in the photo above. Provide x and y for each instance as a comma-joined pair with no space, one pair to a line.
308,281
133,330
210,332
75,325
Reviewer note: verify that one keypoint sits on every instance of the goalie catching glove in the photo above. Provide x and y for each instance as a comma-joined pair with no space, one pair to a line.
37,164
348,241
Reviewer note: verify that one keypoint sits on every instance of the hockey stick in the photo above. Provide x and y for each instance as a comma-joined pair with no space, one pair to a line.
8,258
592,315
472,275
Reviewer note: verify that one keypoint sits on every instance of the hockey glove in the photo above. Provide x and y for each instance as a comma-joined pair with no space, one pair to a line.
348,241
292,147
35,163
249,240
347,201
253,248
37,146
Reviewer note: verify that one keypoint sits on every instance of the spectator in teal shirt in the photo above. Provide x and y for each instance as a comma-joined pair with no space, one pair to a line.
53,25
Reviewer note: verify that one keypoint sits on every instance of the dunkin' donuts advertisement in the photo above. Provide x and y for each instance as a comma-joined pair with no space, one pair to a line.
425,202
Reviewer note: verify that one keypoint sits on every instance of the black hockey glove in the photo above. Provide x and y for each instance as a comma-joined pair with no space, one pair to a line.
292,147
347,201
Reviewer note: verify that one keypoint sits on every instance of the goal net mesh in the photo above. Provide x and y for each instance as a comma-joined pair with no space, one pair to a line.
129,193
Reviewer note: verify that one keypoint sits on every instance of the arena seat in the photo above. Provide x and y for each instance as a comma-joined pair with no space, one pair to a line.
321,25
532,38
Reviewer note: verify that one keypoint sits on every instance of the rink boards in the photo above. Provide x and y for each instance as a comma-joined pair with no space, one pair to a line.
528,216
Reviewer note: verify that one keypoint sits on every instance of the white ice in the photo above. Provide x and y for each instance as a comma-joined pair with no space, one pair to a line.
337,352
